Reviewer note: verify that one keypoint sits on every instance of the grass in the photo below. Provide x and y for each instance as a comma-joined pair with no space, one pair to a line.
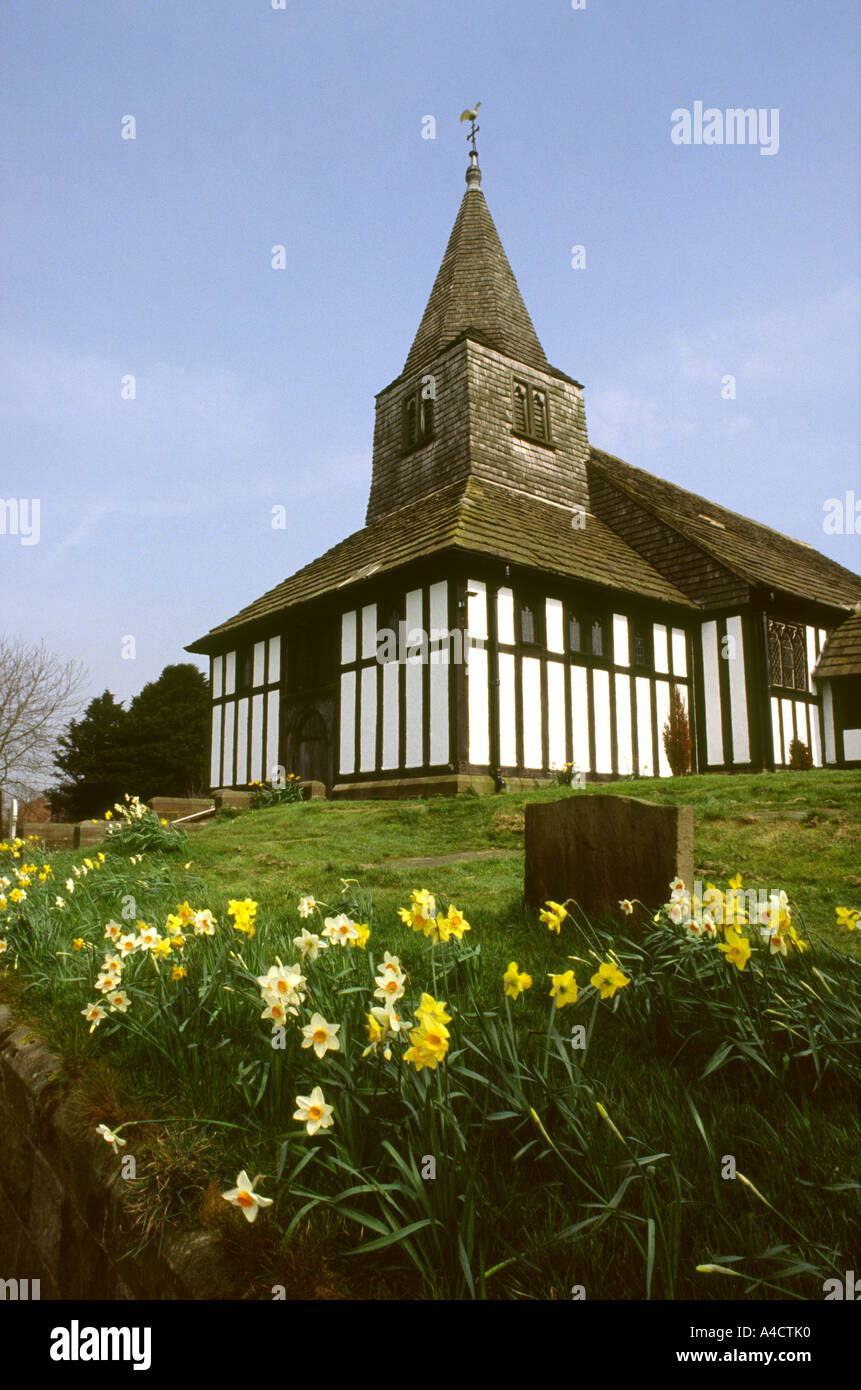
796,831
535,1192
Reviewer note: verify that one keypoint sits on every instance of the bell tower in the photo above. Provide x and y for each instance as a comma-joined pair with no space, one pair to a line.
476,397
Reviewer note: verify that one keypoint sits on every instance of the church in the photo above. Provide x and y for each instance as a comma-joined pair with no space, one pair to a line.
518,600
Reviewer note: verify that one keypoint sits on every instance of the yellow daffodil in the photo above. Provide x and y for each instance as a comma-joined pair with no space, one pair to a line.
847,917
434,1010
178,972
608,978
515,981
429,1046
736,949
564,988
553,914
78,943
361,940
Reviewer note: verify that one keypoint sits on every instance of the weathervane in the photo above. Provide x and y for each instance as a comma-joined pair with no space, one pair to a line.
472,116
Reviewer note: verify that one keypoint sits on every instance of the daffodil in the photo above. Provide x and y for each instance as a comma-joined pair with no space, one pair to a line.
514,981
93,1013
340,930
178,972
608,978
306,906
429,1046
310,945
78,943
313,1111
119,1001
320,1035
564,988
244,1197
364,931
627,906
736,949
432,1010
553,915
204,923
110,1137
847,917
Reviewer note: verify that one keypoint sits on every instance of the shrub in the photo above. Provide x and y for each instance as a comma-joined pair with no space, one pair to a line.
267,793
137,829
799,756
677,736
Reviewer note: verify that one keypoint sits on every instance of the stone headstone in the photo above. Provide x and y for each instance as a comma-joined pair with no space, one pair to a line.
600,849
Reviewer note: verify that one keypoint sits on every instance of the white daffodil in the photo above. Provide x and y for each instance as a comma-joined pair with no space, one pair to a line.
148,939
282,981
119,1001
320,1035
94,1013
204,923
113,931
389,989
110,1137
277,1011
244,1197
391,963
309,945
306,906
107,982
340,929
127,945
313,1111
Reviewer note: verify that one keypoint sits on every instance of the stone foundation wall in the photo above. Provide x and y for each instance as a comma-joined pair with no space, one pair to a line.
62,1198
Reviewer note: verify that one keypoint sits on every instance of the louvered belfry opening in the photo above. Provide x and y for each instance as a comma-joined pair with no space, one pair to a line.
477,397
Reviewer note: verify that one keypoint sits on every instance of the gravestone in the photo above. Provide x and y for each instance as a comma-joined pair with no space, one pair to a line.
600,849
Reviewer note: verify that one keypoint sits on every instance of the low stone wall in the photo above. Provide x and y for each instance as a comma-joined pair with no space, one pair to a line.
62,1198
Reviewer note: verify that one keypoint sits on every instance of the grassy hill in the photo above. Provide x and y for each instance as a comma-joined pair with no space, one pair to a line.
560,1162
797,831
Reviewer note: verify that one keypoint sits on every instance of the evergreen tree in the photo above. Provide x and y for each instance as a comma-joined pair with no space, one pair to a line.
168,734
92,754
158,747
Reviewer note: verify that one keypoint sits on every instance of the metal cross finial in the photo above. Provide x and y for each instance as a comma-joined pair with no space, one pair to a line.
473,117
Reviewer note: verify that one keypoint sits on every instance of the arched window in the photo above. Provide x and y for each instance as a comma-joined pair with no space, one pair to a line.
574,635
521,413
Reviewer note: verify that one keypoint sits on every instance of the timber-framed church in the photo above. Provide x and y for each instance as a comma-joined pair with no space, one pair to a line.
519,600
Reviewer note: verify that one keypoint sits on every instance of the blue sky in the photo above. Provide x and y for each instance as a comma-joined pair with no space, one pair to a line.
302,127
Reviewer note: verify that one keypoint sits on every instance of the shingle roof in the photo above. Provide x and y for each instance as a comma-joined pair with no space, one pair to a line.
475,290
841,655
755,552
474,518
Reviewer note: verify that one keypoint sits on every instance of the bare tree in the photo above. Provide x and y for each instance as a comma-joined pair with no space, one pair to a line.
37,695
